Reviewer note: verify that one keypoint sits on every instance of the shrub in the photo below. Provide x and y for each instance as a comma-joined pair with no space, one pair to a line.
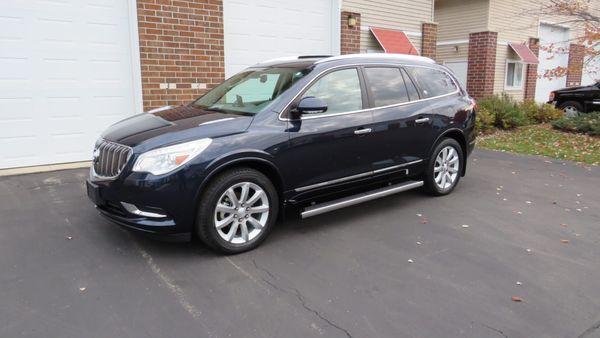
537,113
507,113
584,123
484,122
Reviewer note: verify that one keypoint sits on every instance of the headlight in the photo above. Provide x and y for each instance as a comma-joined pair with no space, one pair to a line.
163,160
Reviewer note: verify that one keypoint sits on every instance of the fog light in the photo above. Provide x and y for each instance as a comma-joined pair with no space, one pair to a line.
134,210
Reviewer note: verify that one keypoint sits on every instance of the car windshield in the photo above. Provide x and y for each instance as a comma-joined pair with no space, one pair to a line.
250,91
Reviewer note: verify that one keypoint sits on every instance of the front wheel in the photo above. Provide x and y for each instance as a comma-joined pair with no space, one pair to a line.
571,108
445,167
237,211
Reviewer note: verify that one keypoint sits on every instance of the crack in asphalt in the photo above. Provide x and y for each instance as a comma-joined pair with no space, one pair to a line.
589,331
500,332
295,292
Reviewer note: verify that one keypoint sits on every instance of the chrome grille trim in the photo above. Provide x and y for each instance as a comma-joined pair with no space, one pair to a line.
111,159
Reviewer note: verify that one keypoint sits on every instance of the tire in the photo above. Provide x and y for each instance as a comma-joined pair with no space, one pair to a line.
571,108
453,169
231,238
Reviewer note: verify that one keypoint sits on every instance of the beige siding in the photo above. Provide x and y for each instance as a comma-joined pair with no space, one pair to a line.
457,18
450,52
405,15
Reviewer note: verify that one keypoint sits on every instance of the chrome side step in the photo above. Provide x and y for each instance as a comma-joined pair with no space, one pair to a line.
322,208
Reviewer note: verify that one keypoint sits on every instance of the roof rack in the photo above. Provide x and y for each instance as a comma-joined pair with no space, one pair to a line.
400,57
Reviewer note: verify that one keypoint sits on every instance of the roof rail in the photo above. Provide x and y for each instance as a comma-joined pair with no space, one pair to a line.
399,57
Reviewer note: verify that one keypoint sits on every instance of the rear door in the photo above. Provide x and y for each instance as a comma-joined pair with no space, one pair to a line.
334,146
402,121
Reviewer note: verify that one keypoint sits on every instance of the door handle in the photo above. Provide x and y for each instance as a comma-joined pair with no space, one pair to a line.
422,120
362,131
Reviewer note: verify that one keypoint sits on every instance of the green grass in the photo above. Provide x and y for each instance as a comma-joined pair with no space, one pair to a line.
541,139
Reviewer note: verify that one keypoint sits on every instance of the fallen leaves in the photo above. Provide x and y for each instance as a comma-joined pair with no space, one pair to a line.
564,241
516,299
465,226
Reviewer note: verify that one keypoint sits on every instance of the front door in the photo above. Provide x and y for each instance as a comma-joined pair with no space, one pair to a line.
334,146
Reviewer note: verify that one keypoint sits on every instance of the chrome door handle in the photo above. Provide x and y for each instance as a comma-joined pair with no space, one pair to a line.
362,131
423,120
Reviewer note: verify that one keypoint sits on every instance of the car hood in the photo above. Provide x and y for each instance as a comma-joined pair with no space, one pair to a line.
575,89
179,124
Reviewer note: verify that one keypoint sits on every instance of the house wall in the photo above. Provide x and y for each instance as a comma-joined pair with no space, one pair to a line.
457,18
405,15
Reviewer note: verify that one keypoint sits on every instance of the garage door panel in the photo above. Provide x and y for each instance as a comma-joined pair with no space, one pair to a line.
283,28
558,38
64,78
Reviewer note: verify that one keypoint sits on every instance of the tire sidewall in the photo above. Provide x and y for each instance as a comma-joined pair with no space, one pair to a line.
209,202
431,186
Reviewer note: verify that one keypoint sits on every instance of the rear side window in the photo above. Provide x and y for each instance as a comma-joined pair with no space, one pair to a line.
432,81
340,90
413,93
386,86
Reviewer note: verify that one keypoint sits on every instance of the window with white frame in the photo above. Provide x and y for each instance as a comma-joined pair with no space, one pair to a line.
514,75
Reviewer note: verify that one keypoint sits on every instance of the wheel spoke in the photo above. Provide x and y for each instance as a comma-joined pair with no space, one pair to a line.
255,223
444,154
452,170
255,197
232,231
224,222
451,153
438,178
449,178
225,208
259,209
244,231
437,169
453,160
232,197
443,183
244,193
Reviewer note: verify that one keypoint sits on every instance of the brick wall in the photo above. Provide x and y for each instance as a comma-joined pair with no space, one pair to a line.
531,72
429,40
349,36
181,44
481,64
575,67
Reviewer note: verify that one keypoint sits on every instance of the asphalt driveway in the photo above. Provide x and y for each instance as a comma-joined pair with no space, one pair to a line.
404,266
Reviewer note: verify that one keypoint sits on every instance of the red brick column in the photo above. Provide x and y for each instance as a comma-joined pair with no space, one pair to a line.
531,72
575,67
181,47
429,40
349,36
481,64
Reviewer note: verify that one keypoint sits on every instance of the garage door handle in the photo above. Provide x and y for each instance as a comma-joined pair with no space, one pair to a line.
423,120
362,131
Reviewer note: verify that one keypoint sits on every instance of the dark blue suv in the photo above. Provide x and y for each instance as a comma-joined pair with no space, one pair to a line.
302,135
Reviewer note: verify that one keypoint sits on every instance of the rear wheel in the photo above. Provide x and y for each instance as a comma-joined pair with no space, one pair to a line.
445,167
237,211
571,108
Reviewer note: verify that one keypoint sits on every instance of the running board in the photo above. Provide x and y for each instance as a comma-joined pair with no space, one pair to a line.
318,209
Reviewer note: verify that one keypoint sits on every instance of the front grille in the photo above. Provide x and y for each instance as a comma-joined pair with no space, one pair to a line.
110,158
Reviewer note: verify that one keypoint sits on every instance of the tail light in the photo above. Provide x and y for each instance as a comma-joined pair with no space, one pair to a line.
551,97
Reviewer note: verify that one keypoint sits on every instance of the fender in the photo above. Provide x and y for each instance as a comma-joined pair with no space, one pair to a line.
462,142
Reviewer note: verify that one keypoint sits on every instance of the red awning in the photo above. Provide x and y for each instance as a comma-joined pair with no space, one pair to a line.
394,41
524,52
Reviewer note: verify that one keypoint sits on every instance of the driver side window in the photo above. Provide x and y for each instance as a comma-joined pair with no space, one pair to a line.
339,89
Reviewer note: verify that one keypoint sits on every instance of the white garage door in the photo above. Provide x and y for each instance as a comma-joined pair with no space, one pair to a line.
258,30
459,68
65,75
557,38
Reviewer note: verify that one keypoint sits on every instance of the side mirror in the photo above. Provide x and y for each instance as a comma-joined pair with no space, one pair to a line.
311,105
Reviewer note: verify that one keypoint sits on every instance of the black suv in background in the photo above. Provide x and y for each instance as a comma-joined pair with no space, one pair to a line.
576,100
304,134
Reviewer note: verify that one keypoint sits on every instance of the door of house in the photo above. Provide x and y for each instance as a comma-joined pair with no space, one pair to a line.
554,44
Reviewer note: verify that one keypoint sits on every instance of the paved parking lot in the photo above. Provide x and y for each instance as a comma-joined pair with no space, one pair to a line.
404,266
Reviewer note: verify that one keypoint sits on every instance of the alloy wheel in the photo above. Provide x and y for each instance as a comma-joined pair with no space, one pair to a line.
571,111
445,170
241,213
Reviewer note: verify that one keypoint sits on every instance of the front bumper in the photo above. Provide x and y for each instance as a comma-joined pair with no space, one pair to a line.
170,200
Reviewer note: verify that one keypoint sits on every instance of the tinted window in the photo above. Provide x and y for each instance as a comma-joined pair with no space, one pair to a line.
250,91
432,82
386,86
339,89
413,94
